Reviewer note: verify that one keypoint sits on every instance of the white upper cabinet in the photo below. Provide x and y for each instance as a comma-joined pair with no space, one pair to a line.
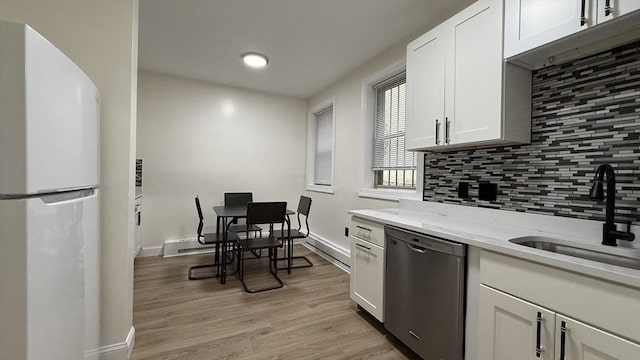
611,9
425,89
461,94
541,32
532,23
474,91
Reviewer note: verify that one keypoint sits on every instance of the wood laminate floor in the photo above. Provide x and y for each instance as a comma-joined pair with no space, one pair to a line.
312,317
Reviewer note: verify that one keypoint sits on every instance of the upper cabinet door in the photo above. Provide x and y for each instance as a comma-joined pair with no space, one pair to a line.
578,341
474,84
611,9
532,23
425,90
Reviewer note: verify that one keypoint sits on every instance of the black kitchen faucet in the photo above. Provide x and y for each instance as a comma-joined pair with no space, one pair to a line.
609,232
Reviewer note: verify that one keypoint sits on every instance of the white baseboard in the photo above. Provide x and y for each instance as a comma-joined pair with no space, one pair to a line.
131,341
332,252
118,351
150,251
137,251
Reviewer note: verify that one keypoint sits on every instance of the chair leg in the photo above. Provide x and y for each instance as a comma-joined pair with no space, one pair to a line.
241,262
192,277
274,273
290,260
216,263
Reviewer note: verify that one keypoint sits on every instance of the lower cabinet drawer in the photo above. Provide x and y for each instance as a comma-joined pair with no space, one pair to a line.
368,231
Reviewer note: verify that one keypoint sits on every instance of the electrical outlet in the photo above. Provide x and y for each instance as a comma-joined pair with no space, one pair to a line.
463,190
346,231
487,191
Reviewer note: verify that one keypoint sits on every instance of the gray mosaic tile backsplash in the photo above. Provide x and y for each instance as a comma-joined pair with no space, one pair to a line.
584,113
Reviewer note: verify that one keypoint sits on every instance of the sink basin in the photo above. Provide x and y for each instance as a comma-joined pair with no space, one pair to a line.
628,258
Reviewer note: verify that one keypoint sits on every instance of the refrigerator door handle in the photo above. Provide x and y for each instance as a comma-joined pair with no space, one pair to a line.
54,196
67,196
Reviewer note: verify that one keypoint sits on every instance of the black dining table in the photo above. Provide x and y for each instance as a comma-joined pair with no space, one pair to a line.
227,215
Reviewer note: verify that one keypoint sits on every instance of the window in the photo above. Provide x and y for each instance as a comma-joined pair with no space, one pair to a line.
393,166
324,147
387,171
320,154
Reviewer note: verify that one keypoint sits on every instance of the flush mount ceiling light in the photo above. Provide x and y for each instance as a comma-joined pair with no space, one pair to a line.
255,60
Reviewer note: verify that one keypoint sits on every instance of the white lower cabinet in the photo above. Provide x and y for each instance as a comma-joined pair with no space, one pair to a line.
533,311
578,341
367,267
511,328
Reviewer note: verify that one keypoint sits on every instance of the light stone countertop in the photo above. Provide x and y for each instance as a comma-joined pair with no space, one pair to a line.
491,229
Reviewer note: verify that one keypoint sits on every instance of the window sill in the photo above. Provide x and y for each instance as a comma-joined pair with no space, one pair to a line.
393,195
321,189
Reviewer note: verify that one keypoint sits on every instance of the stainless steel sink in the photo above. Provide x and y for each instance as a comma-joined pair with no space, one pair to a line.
628,258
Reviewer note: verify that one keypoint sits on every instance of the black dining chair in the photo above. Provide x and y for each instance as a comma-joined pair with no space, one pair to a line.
264,213
211,239
304,206
241,199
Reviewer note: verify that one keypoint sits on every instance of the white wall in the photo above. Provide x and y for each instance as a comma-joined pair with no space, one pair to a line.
198,138
101,37
329,211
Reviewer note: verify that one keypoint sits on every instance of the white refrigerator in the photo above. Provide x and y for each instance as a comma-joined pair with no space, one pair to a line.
49,201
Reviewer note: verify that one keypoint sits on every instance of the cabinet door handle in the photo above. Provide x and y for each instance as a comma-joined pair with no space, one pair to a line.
363,228
363,246
415,336
583,19
607,8
437,132
447,125
563,339
538,329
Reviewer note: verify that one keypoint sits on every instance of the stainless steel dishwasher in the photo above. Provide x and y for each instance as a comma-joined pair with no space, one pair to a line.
424,293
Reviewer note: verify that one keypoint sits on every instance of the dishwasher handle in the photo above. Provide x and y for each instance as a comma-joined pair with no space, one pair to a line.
417,249
424,241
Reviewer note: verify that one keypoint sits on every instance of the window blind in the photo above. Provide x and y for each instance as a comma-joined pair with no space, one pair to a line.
389,152
324,147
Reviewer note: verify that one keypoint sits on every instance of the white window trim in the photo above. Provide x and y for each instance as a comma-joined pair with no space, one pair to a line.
311,146
367,190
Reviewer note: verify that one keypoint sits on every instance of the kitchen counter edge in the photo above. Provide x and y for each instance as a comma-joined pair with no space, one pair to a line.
495,238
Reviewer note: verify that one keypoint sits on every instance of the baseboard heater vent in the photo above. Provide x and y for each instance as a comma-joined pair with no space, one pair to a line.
185,247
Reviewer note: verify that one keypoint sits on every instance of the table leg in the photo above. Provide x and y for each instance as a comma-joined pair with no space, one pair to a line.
217,259
223,262
289,244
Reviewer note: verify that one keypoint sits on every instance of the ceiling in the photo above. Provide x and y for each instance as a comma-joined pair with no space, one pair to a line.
310,43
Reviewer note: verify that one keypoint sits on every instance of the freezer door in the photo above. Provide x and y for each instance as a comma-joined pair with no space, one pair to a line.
49,131
44,244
